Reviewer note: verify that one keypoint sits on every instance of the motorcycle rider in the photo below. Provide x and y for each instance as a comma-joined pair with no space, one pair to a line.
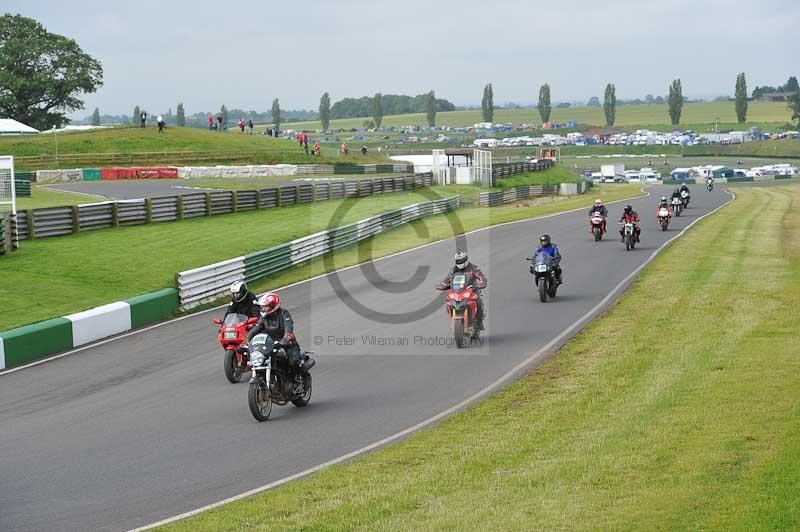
546,246
277,322
478,281
676,193
242,301
629,215
664,204
598,207
685,188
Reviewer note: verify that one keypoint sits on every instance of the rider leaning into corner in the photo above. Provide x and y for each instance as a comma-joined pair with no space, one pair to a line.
546,246
599,208
277,322
242,301
629,215
475,278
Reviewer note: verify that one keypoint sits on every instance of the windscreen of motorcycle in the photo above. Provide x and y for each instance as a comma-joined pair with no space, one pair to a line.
458,282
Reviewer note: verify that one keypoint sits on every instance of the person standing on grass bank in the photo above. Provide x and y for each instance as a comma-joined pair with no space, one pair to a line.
317,148
160,122
363,150
210,122
250,126
219,122
143,118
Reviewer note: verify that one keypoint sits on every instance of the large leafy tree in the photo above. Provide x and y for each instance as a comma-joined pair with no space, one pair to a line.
224,112
741,98
377,110
544,103
42,75
325,111
610,104
675,102
430,108
96,117
276,115
180,115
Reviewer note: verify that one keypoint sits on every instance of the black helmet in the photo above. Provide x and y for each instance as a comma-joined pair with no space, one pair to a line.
238,291
545,240
461,259
628,209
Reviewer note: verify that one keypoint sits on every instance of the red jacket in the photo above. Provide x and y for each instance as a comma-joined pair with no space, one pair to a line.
632,217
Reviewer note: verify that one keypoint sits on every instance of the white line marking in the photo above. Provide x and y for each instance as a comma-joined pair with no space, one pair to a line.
535,357
175,320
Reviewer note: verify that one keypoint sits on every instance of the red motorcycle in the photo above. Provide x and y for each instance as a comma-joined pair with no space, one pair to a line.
598,223
232,334
461,304
663,217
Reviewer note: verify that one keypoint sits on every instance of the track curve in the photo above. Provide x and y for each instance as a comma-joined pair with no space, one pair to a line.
146,426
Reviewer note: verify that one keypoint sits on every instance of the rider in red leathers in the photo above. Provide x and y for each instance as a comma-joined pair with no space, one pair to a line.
629,215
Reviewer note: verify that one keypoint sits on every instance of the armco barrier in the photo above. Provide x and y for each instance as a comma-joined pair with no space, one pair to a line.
27,343
59,221
22,187
490,199
501,170
208,283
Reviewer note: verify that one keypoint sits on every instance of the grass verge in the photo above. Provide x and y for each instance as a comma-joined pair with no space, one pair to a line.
678,409
94,268
42,197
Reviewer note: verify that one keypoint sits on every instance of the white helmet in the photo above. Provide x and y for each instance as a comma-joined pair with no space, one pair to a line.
238,291
663,198
461,259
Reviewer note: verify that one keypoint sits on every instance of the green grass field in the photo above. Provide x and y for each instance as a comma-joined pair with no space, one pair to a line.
677,409
42,197
95,268
701,114
126,140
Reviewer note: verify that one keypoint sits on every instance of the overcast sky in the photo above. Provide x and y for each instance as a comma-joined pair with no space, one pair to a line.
245,53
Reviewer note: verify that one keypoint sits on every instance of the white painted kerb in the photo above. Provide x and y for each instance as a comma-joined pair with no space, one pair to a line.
100,322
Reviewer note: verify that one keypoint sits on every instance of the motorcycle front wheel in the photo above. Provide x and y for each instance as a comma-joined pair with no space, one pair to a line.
458,333
259,399
306,397
543,289
232,370
664,225
597,234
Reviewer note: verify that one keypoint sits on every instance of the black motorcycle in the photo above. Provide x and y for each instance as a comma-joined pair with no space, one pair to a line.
544,273
274,381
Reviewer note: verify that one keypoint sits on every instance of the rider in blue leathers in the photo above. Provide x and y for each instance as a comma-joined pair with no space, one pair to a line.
551,249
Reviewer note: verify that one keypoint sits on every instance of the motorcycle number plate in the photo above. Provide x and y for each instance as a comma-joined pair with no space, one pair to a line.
230,335
541,267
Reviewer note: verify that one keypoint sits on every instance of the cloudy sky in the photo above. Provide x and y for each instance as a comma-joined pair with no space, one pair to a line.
245,53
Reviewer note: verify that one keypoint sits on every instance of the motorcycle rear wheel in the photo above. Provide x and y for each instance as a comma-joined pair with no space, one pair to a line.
259,399
304,400
232,370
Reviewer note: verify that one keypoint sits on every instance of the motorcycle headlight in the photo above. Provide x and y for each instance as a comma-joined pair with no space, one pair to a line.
257,358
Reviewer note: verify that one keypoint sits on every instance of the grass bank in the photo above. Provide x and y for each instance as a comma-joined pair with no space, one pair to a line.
94,268
678,409
176,146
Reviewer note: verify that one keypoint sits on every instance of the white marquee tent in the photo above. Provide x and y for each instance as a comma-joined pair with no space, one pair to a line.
9,126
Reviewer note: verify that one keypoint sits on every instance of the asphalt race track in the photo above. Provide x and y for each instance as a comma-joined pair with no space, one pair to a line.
146,426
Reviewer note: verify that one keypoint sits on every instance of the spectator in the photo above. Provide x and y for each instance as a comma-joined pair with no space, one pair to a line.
250,126
219,122
143,118
317,148
160,122
305,143
210,122
363,150
241,125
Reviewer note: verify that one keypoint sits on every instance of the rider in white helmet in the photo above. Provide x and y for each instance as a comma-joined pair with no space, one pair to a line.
242,301
475,277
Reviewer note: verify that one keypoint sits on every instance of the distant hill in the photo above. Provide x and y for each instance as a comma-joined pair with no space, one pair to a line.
392,105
